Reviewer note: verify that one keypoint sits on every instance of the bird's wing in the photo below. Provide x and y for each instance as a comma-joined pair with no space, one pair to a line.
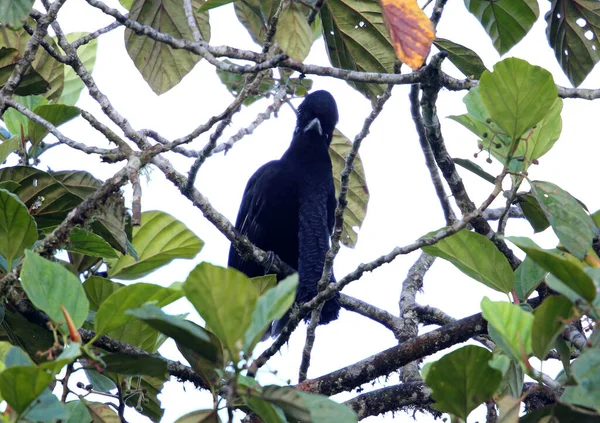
258,215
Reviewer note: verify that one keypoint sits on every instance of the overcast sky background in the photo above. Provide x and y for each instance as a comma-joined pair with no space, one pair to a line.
402,207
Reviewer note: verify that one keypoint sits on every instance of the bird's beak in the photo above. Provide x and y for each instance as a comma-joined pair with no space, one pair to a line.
314,125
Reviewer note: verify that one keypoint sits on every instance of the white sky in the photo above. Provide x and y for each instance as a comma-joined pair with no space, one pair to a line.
402,207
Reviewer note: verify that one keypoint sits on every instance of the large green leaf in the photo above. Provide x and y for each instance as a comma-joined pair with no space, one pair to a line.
462,380
47,408
46,66
17,122
21,385
14,12
56,114
567,271
294,35
356,39
571,223
308,407
586,371
465,59
8,147
136,365
255,16
99,289
270,306
17,228
573,28
517,95
73,84
159,240
32,82
358,192
546,132
510,327
533,212
112,311
549,320
161,66
505,21
477,257
86,242
225,299
50,286
184,332
528,276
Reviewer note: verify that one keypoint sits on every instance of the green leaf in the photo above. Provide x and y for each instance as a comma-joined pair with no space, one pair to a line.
465,59
136,365
15,356
546,132
265,410
78,412
14,120
533,212
511,327
586,371
356,39
32,82
208,370
73,84
184,332
255,15
505,21
51,70
570,273
18,230
14,12
86,242
49,285
472,166
571,223
99,289
559,413
100,382
152,408
308,407
570,22
294,35
528,276
56,114
476,256
358,192
517,95
8,147
47,408
549,320
270,306
159,240
161,66
462,379
101,412
21,385
200,416
225,299
235,82
264,283
112,312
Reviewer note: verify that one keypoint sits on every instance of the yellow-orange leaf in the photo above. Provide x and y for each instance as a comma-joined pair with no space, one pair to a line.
410,30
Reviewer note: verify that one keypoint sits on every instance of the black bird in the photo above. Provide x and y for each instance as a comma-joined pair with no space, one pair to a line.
289,204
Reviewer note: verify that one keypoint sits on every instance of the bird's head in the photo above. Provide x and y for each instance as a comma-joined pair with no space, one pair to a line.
318,114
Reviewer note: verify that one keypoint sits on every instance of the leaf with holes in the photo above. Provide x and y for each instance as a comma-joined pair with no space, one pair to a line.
505,21
294,35
465,59
356,39
517,95
572,31
161,66
159,240
571,223
410,30
462,380
476,256
358,192
18,230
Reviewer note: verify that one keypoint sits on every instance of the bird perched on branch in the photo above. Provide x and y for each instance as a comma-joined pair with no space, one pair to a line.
289,204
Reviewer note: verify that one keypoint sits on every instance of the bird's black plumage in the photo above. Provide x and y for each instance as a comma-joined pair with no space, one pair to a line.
288,205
